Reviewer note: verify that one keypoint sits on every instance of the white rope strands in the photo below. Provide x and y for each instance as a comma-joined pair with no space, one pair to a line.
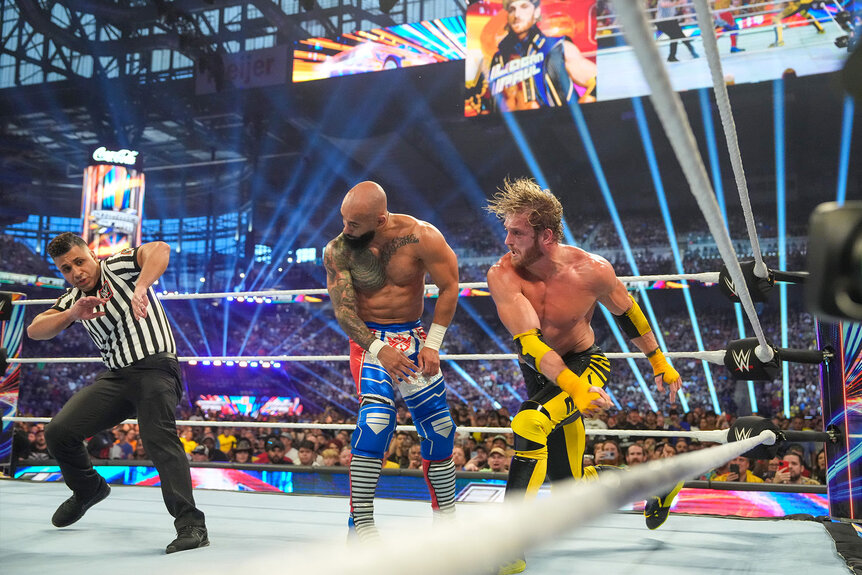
703,277
722,99
669,107
498,532
713,436
716,356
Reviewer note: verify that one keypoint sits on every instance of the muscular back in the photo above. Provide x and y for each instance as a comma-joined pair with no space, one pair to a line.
564,301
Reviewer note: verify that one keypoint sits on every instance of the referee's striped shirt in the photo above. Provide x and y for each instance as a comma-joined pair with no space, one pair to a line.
123,340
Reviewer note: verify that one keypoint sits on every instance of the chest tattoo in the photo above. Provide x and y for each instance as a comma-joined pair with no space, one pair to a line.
369,271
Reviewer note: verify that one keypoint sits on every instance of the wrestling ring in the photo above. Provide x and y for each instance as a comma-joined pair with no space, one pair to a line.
574,528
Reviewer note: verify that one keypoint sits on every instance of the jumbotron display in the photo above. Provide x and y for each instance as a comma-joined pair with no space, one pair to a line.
399,46
113,200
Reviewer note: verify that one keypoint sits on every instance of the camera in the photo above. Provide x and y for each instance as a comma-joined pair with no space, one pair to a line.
833,289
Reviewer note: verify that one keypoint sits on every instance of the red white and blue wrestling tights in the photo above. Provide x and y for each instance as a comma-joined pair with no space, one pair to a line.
426,400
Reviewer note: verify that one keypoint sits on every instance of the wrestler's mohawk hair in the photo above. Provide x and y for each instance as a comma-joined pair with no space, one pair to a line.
525,196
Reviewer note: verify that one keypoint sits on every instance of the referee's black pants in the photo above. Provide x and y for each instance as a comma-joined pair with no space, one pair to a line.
150,388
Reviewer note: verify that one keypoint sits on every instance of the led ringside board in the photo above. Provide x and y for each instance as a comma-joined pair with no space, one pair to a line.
113,200
250,405
841,397
401,46
528,54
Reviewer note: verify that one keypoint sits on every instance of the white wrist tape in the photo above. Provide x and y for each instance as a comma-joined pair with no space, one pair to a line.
375,347
435,335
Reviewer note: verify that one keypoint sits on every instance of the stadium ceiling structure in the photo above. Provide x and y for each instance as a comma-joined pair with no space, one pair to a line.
75,74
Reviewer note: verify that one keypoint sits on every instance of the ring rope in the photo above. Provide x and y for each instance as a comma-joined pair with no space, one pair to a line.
703,277
715,436
493,529
710,44
716,357
668,106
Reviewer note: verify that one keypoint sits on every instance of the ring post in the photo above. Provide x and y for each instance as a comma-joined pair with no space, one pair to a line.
841,397
11,337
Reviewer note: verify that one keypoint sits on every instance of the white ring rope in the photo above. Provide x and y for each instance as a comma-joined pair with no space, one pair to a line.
716,356
715,436
497,532
710,44
668,106
703,277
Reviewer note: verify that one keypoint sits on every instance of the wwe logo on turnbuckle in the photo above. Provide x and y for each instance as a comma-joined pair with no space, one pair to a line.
741,434
729,283
740,358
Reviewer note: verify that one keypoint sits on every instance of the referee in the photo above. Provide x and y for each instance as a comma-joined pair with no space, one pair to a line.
113,300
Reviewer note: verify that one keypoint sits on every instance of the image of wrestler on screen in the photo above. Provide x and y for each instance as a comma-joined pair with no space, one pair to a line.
531,70
546,293
375,275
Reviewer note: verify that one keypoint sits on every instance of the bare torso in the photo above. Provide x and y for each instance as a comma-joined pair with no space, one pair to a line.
565,300
389,276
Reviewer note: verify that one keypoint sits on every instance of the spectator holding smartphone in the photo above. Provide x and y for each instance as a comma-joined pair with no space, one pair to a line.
739,471
610,453
790,471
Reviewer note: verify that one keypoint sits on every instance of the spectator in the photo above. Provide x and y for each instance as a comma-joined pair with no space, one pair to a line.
345,456
140,453
610,454
290,452
330,457
187,439
790,471
663,450
479,460
243,451
121,449
738,470
307,456
459,458
274,452
226,439
200,454
39,447
819,471
498,460
635,455
214,453
414,457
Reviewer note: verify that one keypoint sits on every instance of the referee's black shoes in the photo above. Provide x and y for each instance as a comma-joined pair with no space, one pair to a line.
189,537
74,508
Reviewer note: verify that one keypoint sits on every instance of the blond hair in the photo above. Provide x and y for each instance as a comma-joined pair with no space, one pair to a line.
525,196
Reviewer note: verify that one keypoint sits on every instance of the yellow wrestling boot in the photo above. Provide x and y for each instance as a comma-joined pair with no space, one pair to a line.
514,566
657,507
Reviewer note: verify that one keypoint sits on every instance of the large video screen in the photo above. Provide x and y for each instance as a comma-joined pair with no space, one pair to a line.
526,54
757,41
113,201
390,48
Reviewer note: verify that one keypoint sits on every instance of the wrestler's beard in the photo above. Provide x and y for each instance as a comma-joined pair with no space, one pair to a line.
361,242
529,257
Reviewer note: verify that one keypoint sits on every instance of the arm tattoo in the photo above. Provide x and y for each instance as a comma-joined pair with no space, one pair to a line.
343,297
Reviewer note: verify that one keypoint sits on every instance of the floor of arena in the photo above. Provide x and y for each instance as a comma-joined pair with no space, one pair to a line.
129,530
